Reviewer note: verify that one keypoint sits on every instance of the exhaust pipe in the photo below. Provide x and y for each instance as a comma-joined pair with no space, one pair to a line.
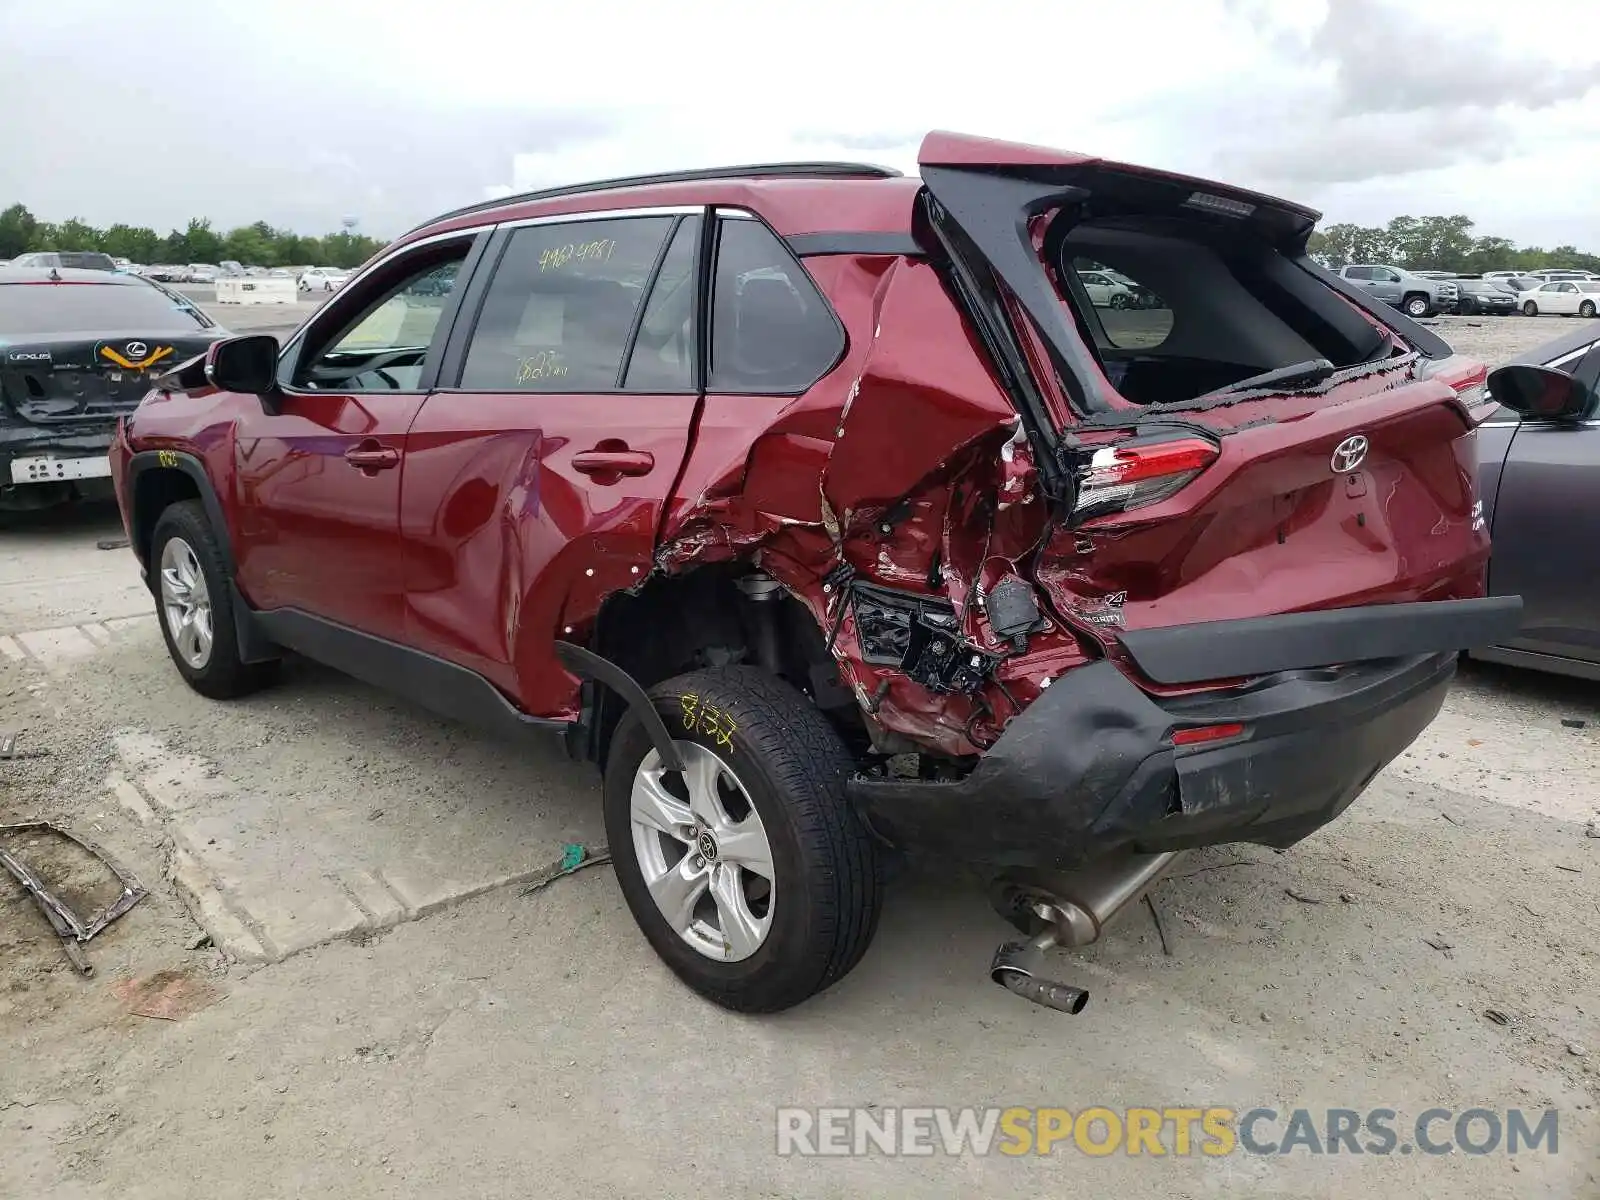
1074,908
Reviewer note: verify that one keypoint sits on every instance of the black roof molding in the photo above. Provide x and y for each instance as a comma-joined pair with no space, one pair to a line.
794,170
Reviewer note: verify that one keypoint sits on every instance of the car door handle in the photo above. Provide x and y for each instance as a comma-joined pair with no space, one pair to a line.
369,457
614,462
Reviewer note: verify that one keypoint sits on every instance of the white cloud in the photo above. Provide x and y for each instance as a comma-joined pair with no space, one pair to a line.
303,111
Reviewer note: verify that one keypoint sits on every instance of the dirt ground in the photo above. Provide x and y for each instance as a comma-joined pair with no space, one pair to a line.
1439,946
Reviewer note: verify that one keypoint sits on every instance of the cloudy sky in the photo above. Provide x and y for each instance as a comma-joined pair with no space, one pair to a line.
303,112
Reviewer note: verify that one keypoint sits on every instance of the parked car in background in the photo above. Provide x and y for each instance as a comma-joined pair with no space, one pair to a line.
1539,480
1437,274
1554,273
1413,294
164,273
323,279
200,273
1486,297
78,260
1105,291
569,499
1562,297
77,350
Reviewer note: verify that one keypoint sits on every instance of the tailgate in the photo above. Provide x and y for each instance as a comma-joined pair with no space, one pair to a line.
66,381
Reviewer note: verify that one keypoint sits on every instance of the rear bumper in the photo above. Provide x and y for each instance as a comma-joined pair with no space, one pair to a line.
31,442
1090,767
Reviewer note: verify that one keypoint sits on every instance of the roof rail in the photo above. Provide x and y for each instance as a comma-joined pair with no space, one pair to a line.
793,170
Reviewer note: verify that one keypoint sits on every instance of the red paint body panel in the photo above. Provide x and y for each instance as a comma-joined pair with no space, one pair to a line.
505,542
313,531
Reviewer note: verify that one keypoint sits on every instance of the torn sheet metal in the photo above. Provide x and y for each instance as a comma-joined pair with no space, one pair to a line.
72,928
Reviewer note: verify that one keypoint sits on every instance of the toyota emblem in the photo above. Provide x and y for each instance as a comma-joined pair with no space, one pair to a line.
136,349
1349,454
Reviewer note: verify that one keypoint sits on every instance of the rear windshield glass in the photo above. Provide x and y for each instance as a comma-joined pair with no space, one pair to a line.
49,308
1174,311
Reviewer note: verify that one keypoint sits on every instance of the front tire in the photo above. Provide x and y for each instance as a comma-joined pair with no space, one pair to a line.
1586,310
194,605
1530,309
749,873
1418,306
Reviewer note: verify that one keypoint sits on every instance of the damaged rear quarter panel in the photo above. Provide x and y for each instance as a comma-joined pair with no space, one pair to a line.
902,464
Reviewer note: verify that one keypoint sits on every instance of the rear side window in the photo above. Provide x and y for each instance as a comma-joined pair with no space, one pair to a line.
1132,316
48,308
559,311
771,330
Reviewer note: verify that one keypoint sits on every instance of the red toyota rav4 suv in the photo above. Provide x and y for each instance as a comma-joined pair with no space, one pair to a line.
830,513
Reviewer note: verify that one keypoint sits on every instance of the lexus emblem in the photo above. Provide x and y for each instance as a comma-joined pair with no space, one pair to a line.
136,349
1349,454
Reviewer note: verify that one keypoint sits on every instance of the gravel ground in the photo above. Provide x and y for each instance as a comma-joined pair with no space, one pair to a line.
1437,946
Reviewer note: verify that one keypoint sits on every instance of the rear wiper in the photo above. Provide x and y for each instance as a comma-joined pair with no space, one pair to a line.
1313,370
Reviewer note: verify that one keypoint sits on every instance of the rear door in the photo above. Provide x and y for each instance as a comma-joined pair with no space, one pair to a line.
1386,285
319,480
1547,530
537,475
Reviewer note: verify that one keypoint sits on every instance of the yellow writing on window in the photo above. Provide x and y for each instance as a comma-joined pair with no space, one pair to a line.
599,250
546,364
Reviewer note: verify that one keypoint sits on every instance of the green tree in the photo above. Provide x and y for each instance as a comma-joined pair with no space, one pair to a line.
248,245
17,226
140,244
1431,243
202,242
75,234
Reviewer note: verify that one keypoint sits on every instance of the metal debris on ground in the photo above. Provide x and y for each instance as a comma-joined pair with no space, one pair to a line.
73,929
1438,943
112,544
8,748
1564,867
1294,895
166,995
1574,723
574,858
1451,819
1498,1017
1155,916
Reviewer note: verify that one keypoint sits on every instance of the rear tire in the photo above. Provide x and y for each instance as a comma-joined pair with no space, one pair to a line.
1418,306
189,578
1530,309
775,767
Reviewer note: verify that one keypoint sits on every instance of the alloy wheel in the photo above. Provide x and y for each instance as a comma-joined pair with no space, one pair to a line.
186,602
704,853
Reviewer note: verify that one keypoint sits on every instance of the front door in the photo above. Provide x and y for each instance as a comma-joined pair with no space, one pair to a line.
537,474
319,480
1547,531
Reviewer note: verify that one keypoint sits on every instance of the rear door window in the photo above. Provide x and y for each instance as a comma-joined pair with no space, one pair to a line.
560,309
771,330
663,355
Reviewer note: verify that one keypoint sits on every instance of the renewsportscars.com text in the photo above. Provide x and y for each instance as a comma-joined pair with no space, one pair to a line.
1175,1131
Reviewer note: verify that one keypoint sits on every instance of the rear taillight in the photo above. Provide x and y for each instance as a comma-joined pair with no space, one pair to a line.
1135,474
1199,735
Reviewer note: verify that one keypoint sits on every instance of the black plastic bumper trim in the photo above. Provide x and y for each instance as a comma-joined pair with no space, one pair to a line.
1089,768
1208,650
586,664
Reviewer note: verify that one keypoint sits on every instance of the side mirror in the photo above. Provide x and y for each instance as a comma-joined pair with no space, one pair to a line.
1543,393
248,365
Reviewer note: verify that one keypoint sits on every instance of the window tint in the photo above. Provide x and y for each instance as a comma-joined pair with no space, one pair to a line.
1132,316
771,330
663,351
33,308
560,307
1358,272
384,346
